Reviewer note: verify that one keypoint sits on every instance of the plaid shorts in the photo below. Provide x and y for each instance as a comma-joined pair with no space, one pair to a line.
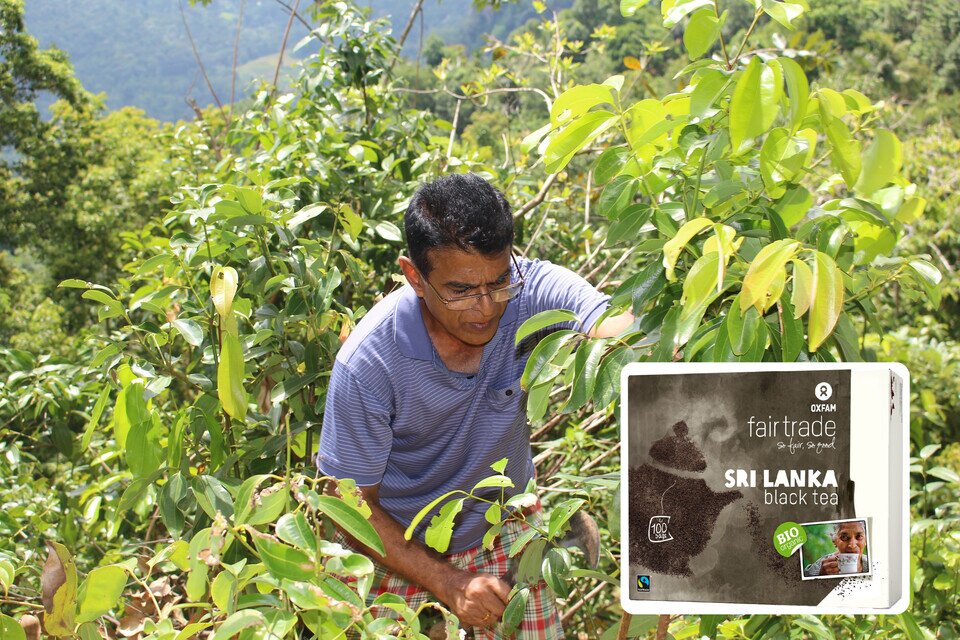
540,619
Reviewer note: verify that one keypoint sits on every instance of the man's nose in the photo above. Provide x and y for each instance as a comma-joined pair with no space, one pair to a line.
486,304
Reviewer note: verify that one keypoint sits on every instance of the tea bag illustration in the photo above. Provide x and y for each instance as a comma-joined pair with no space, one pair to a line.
672,510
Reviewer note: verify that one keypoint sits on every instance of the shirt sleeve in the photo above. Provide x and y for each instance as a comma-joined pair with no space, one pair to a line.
357,436
555,287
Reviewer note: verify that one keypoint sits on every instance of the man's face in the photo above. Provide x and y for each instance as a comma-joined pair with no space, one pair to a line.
459,273
851,538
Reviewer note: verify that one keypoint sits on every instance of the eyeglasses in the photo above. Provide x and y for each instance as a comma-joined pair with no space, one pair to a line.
502,294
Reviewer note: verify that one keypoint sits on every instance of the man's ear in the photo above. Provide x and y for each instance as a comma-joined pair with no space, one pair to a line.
411,274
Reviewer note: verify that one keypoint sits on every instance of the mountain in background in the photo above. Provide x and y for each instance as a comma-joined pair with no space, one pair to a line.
139,54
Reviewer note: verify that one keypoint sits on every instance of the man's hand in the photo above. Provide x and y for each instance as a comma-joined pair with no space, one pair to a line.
477,599
830,565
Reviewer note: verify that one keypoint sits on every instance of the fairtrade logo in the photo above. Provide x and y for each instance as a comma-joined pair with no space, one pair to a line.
824,391
643,583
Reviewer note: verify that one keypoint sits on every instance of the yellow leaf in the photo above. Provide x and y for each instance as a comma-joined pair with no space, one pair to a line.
223,287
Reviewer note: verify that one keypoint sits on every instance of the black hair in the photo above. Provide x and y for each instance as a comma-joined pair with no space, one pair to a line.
458,210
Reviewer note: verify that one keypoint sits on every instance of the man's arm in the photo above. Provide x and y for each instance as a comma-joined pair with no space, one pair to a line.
477,599
612,327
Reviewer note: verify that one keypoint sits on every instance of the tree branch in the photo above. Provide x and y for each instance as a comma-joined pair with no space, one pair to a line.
196,54
233,69
283,46
537,199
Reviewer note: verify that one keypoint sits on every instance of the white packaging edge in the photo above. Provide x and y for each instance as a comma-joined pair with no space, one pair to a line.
636,607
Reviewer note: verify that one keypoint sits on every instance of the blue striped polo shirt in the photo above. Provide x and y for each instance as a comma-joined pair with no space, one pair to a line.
397,417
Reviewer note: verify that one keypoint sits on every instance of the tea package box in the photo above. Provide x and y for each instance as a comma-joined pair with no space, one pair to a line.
765,488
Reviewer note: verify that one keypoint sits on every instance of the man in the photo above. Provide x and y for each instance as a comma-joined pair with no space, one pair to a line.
425,395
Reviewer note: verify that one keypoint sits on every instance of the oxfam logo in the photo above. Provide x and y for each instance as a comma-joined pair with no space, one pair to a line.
823,391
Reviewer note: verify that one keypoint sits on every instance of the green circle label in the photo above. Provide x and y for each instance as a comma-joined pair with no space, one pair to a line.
788,537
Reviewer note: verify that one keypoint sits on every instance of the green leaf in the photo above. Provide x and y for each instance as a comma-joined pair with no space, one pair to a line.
608,376
555,569
388,231
493,514
944,473
95,417
783,12
627,227
673,11
543,353
308,212
250,200
782,159
513,614
197,577
574,137
500,481
710,85
909,625
292,385
230,374
641,287
845,151
101,592
538,399
929,277
798,90
294,529
928,451
792,341
617,196
10,629
212,495
142,446
283,561
609,163
113,306
826,302
911,210
561,514
103,354
73,283
7,575
245,496
521,542
766,271
793,205
269,504
674,246
755,102
190,330
528,569
243,619
223,591
440,529
543,320
585,373
630,7
307,596
701,33
499,465
742,328
351,521
578,100
881,162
